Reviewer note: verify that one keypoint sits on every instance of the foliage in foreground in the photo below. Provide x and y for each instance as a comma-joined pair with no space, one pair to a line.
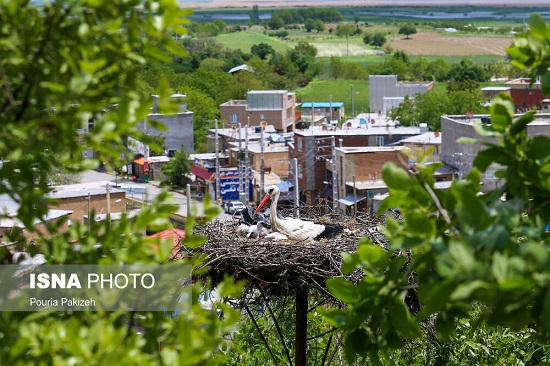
79,62
465,249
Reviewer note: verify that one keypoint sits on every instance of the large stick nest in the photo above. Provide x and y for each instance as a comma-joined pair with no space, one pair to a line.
284,267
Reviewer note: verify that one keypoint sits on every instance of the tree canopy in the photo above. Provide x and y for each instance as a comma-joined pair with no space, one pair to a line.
407,30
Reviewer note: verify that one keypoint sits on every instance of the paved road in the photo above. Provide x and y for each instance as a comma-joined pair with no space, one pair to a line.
152,189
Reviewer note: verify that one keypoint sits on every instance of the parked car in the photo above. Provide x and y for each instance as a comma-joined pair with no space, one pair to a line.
235,206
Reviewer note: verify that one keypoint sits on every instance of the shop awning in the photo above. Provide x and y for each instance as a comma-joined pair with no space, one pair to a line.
141,161
202,173
348,200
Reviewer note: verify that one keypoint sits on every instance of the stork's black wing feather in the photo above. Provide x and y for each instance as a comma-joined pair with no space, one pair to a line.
331,230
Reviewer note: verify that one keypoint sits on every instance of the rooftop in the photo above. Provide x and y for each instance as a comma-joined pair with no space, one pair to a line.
83,189
427,138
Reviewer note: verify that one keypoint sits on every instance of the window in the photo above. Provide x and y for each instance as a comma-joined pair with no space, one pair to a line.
490,174
234,118
299,144
91,124
300,171
379,140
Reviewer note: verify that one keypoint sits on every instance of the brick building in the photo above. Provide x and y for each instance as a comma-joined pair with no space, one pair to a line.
275,107
359,172
82,199
525,95
312,147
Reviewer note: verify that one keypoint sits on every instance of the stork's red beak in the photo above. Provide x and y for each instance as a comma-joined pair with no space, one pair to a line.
264,201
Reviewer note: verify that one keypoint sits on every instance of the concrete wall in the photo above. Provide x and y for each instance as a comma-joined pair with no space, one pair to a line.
461,156
179,130
387,86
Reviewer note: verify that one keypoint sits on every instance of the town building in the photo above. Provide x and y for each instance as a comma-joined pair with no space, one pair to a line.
423,143
312,147
316,112
489,92
262,107
359,173
179,125
83,199
461,156
526,96
385,92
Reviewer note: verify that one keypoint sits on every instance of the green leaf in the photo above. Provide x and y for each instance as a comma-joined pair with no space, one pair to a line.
343,290
357,343
467,140
499,267
419,223
373,254
434,296
395,178
464,291
445,326
538,27
402,320
502,111
520,124
350,262
335,317
538,147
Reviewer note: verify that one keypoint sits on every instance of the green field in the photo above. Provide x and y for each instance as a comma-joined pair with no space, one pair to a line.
245,40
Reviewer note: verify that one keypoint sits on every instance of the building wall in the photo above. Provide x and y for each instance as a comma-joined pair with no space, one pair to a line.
274,161
79,205
366,166
178,133
281,112
461,156
387,86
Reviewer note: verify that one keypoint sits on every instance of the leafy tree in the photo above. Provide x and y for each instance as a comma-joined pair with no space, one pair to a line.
262,50
275,22
354,71
466,75
309,25
205,111
212,64
178,168
460,250
220,24
336,67
378,40
367,38
437,70
407,30
82,60
319,26
345,30
255,14
418,68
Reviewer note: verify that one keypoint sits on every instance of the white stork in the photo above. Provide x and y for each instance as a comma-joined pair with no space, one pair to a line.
295,229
